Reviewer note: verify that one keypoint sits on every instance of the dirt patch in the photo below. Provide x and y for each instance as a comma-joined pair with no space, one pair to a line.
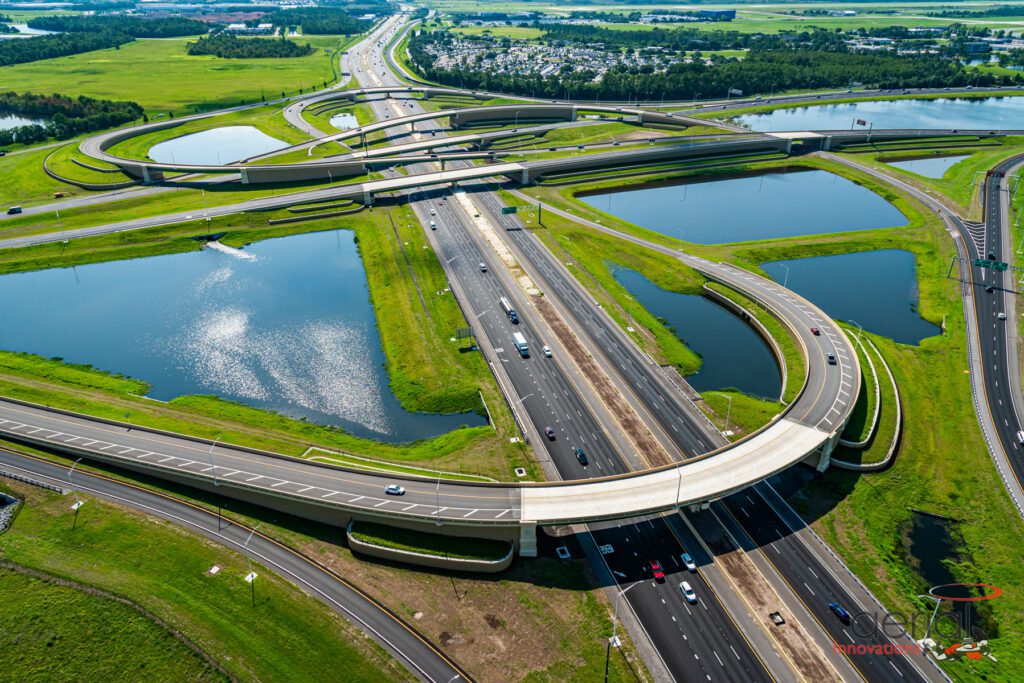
763,600
649,448
492,621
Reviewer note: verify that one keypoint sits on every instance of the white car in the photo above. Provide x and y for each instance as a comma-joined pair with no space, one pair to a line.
1002,316
547,351
688,593
688,562
394,490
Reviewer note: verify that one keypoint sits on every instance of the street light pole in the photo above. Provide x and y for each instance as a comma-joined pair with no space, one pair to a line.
251,576
860,330
78,502
728,413
614,640
785,281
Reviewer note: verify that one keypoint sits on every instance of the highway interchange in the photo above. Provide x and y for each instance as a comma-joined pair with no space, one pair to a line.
553,392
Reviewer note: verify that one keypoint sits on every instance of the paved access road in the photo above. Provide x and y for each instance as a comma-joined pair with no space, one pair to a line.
424,659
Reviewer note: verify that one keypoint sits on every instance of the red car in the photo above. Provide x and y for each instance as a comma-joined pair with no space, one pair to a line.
815,331
659,573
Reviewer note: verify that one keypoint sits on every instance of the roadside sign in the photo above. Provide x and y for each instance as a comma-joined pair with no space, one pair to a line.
509,209
606,549
994,265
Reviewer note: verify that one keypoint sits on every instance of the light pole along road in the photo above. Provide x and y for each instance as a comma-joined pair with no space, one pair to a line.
410,647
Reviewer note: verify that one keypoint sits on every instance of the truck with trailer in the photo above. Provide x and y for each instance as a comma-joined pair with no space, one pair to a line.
506,306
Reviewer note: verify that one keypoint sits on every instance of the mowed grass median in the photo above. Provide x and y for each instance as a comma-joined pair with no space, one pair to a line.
288,635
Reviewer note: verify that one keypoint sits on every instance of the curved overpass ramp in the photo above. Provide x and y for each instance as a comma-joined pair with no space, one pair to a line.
810,426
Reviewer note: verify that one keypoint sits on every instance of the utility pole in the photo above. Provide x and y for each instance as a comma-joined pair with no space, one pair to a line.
614,640
250,578
78,503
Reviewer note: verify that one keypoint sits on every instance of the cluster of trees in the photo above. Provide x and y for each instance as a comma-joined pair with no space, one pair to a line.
319,20
136,27
58,45
997,11
762,71
669,38
228,45
66,116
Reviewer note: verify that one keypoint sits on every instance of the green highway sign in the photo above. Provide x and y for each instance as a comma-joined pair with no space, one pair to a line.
994,265
509,209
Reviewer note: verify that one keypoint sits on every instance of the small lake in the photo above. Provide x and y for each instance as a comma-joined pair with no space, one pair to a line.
284,325
344,121
930,167
750,207
8,121
877,289
215,146
987,112
733,354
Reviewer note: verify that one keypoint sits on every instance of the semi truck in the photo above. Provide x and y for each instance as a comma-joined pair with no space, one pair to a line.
506,306
520,342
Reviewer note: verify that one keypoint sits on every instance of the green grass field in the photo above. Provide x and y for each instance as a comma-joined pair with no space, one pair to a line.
159,75
53,628
431,544
287,636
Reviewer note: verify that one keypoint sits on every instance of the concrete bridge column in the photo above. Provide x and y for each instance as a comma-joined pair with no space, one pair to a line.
525,179
697,507
574,114
527,539
826,144
245,176
367,198
822,457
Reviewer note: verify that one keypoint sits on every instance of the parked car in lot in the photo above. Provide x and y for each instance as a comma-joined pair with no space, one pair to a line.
688,593
656,571
394,490
838,610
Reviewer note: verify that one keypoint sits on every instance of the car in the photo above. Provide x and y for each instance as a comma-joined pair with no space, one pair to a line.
688,593
777,619
579,146
840,612
552,149
815,331
688,562
13,210
616,143
550,433
547,350
394,490
1002,316
483,267
433,212
656,570
3,153
989,288
580,455
831,358
433,225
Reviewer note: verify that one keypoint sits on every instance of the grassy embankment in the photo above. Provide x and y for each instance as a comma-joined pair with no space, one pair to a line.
164,569
430,544
53,627
943,465
162,77
427,371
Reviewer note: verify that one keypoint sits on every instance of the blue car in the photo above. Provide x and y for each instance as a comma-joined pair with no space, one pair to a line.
840,613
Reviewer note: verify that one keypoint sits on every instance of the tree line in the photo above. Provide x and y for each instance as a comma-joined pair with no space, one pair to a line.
762,71
66,117
58,45
231,46
136,27
318,20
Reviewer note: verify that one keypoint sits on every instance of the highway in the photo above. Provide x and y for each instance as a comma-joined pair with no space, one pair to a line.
552,392
992,346
424,659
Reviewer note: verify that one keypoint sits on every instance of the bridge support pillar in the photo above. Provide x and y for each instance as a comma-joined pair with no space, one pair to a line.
527,539
826,144
525,178
697,507
822,458
244,173
367,198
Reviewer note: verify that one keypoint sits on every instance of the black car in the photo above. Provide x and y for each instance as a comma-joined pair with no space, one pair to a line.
580,455
989,288
550,433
